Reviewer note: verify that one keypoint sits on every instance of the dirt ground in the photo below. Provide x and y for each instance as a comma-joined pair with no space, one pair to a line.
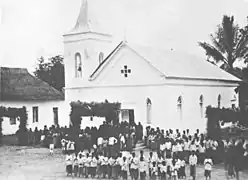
26,163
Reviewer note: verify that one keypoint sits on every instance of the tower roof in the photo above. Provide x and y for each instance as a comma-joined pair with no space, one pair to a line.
87,21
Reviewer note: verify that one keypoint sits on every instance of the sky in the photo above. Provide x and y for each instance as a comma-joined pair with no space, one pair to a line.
33,28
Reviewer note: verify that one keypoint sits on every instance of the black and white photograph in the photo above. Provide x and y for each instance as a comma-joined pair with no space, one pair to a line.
124,89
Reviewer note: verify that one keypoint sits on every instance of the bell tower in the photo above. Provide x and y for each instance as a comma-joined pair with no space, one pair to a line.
84,46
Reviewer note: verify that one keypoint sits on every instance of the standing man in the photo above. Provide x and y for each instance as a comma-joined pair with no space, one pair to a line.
193,163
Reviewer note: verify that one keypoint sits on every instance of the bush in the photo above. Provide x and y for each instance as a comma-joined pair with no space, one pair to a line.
103,109
216,116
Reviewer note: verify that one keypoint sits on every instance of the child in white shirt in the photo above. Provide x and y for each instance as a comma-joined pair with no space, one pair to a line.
75,166
93,166
208,163
134,167
111,163
51,148
63,144
118,164
115,169
100,168
174,169
69,163
80,164
142,168
193,163
104,165
182,173
87,165
124,168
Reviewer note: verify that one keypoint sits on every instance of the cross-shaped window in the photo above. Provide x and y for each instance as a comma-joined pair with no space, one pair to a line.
125,71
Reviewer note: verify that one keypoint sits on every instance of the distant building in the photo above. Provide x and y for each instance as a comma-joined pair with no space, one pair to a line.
19,88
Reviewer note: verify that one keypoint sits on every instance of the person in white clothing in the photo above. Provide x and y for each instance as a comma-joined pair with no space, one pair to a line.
124,168
87,165
104,166
122,141
208,163
193,163
118,163
51,148
99,141
193,146
63,141
112,141
174,169
142,168
168,145
110,168
93,165
134,167
80,164
69,163
201,152
162,148
75,166
182,173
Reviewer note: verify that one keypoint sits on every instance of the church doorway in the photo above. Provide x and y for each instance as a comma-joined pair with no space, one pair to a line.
127,115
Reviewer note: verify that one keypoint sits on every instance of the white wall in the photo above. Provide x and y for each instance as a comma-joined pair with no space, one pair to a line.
164,101
45,114
89,46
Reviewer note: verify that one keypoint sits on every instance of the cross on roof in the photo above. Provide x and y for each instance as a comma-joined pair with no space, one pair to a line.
125,71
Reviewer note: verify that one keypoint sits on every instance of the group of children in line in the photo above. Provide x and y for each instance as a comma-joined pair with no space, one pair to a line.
155,166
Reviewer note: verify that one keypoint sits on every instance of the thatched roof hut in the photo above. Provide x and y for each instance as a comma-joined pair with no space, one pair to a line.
17,84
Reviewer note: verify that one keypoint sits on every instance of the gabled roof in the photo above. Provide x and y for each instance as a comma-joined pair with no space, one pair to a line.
100,66
180,64
175,64
17,84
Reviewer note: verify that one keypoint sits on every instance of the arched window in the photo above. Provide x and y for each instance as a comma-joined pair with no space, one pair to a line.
148,110
78,65
179,102
101,56
219,101
179,106
201,105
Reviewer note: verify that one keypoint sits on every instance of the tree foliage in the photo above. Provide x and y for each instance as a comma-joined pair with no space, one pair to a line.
217,116
51,72
228,44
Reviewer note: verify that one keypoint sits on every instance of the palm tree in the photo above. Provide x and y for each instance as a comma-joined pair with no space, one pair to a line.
229,43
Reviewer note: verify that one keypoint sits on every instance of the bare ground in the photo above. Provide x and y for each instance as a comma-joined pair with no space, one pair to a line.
26,163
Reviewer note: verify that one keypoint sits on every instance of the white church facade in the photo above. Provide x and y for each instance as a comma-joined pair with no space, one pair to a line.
164,88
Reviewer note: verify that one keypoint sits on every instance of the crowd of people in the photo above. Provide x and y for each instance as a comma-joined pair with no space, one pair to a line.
110,151
90,165
170,153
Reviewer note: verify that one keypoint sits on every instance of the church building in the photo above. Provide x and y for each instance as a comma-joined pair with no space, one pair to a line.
163,88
